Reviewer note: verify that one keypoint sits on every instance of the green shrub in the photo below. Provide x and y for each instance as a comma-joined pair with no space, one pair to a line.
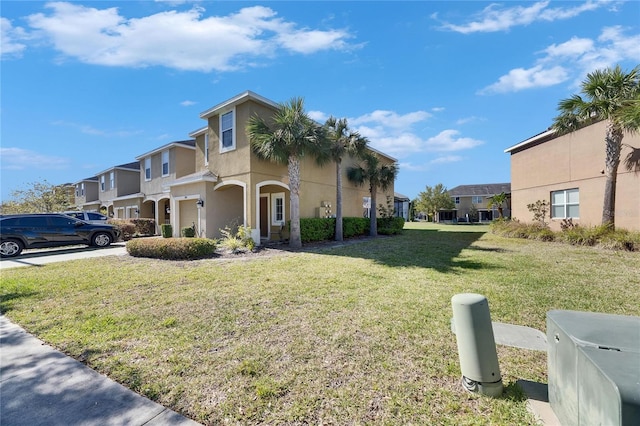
355,226
188,232
127,229
317,229
172,249
130,228
167,230
390,225
237,241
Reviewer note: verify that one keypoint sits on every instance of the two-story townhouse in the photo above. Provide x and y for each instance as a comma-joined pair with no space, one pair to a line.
232,186
159,168
567,171
119,190
87,194
472,202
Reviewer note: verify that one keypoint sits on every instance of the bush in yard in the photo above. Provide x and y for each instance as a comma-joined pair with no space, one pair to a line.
390,225
127,229
188,231
172,248
355,226
317,229
167,230
239,241
130,228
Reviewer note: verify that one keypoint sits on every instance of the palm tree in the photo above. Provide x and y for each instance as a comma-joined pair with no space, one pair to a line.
379,175
607,94
497,200
286,138
341,142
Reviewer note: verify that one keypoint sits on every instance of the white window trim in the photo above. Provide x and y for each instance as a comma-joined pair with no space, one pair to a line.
147,166
475,198
233,131
168,163
274,197
565,204
102,183
112,180
456,200
206,148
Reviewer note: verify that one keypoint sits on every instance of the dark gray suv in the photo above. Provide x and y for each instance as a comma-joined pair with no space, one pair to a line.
18,232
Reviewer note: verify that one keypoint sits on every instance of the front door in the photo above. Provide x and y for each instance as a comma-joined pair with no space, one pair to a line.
264,216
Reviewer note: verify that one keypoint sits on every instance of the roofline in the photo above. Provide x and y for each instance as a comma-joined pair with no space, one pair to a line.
395,160
235,100
198,132
165,147
532,140
119,168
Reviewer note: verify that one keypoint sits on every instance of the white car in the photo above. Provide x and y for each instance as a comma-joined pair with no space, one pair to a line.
90,217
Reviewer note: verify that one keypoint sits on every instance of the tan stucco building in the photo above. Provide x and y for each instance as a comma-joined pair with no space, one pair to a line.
567,171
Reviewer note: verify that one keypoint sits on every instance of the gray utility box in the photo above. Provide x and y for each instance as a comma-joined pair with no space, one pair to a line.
594,368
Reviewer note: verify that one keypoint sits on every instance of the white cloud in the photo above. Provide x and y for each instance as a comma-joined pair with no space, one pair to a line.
24,159
571,60
449,140
184,40
493,18
520,78
88,129
11,39
187,103
318,116
447,159
391,119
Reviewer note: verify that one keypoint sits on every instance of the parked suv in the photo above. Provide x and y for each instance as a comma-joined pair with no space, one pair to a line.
91,217
21,231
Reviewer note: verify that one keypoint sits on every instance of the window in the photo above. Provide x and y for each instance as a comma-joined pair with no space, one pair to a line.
277,209
457,200
147,168
112,180
102,188
565,204
476,199
227,137
165,163
206,148
82,189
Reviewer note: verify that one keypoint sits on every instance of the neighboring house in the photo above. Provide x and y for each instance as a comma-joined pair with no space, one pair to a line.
471,203
401,205
87,194
119,190
159,169
231,186
568,172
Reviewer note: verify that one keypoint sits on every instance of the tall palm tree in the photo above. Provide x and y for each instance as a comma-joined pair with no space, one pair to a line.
286,138
606,93
497,200
341,142
379,175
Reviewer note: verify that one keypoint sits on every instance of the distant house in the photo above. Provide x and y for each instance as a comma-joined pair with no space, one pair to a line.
471,203
401,204
87,194
567,171
159,170
119,190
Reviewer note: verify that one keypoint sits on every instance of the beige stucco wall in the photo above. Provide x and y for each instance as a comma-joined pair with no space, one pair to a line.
575,160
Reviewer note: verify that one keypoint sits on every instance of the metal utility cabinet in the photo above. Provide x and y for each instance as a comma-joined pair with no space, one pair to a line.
594,368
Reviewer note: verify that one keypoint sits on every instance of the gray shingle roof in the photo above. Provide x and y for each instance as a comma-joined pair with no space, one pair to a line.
486,189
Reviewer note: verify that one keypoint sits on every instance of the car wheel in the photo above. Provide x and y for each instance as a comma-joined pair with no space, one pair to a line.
101,239
10,248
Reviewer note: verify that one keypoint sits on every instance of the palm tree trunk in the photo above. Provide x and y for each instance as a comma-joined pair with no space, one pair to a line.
613,143
338,232
373,225
295,240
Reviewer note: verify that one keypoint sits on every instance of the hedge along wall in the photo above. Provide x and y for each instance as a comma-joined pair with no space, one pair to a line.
321,229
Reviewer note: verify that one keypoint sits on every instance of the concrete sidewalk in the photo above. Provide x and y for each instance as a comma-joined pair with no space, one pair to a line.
41,386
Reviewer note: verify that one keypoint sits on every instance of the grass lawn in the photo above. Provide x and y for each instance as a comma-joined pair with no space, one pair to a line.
358,334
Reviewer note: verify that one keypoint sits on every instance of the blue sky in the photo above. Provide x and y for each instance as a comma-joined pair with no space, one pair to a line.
442,86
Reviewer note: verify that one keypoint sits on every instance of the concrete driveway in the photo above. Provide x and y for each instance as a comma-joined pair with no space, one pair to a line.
39,257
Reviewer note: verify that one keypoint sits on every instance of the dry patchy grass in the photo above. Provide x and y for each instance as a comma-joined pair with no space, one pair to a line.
355,334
